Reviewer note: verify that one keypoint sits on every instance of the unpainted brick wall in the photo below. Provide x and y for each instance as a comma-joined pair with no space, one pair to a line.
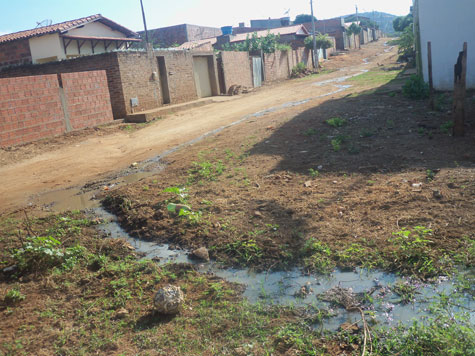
31,107
277,66
136,74
15,53
181,81
237,69
106,61
87,96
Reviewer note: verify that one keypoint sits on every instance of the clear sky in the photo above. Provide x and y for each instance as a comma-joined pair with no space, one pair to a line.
18,15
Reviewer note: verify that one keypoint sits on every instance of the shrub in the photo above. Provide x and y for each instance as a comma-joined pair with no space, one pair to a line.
416,88
299,69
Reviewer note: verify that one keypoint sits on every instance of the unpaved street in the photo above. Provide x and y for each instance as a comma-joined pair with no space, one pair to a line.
79,162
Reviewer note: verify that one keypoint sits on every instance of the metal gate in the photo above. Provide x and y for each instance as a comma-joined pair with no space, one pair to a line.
257,71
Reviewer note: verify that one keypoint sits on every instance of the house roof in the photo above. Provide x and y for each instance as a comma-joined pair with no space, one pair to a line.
299,30
289,30
66,26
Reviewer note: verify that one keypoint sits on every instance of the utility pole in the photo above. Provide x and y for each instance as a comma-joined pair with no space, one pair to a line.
357,18
315,58
144,24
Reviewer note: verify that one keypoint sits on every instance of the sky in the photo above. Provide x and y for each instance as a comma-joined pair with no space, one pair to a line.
18,15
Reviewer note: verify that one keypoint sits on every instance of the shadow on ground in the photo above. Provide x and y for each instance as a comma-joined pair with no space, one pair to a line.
383,132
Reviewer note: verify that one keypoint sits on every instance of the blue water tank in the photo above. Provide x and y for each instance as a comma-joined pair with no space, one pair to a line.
227,30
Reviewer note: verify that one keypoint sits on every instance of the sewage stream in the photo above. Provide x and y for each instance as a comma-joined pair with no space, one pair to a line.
285,287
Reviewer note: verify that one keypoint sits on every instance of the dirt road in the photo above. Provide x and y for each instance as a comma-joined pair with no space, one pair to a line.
94,157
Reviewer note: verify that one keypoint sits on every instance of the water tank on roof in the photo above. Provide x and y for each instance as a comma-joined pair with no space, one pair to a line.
227,30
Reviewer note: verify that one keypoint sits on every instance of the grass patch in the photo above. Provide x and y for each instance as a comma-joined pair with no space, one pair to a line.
376,77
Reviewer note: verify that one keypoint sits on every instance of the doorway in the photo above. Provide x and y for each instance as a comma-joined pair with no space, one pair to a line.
202,76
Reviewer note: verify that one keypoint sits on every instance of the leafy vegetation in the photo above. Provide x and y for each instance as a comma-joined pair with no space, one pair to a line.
416,88
336,122
267,44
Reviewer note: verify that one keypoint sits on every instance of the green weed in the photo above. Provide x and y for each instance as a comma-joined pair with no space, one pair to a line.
336,122
246,251
13,296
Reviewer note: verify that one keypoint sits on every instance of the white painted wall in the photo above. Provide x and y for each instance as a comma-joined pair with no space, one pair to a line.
45,47
447,24
52,45
95,29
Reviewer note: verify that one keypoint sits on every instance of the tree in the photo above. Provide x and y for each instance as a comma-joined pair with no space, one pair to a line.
323,42
354,30
402,22
303,18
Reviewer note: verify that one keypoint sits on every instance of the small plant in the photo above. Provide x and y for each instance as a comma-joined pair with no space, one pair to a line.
310,132
313,173
413,249
295,337
336,122
13,296
416,88
206,170
318,256
336,144
247,251
440,102
447,127
367,133
40,253
430,175
299,70
405,290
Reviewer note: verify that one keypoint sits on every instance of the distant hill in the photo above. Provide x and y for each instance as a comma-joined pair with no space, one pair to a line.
384,20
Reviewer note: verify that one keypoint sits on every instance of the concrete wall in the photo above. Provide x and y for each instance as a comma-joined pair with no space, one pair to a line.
14,53
447,24
37,107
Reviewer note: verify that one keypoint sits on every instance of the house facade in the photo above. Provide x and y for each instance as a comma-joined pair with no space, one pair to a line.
85,36
432,20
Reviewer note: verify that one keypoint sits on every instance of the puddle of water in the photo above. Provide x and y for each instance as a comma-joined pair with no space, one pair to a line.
281,287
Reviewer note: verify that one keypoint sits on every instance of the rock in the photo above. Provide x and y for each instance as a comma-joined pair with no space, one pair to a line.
257,214
308,184
122,313
200,254
169,300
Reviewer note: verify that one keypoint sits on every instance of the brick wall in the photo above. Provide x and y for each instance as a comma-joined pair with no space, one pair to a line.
87,97
277,66
15,53
181,81
237,69
105,61
31,107
136,73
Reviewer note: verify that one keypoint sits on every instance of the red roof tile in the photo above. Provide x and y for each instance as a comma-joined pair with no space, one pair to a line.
65,26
